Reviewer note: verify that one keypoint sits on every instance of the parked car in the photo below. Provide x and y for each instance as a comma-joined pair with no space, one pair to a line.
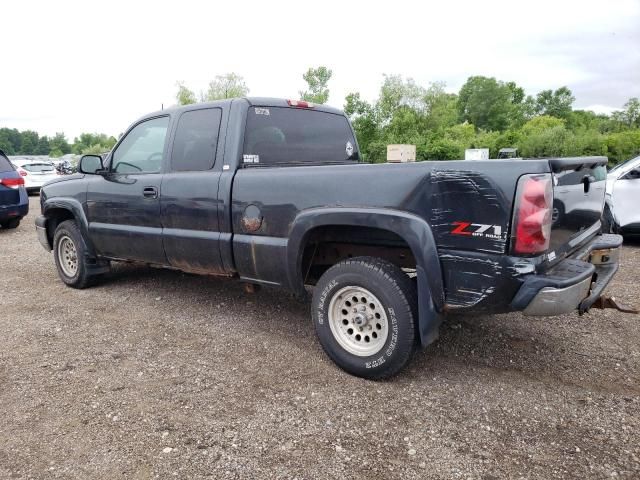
35,173
14,202
272,192
621,214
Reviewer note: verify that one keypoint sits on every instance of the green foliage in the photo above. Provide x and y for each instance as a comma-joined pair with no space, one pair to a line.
230,85
184,96
317,80
488,113
56,153
59,144
555,103
92,141
487,103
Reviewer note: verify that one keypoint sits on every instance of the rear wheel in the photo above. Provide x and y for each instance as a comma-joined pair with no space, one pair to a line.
69,251
13,223
364,312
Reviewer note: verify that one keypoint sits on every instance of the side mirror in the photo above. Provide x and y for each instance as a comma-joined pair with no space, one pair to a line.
90,164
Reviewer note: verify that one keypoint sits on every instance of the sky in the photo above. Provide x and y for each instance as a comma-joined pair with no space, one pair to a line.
96,66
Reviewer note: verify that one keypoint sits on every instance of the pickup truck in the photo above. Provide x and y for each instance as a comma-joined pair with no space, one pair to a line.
273,192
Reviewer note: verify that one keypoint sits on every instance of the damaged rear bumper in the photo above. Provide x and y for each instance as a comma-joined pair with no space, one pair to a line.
574,283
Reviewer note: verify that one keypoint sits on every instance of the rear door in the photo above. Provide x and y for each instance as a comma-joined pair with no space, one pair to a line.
626,193
123,205
578,190
189,202
9,192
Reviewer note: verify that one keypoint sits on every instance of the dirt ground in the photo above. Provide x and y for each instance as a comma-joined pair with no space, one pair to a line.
158,374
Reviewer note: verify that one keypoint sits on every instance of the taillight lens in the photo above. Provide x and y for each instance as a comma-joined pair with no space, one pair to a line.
22,172
12,182
532,220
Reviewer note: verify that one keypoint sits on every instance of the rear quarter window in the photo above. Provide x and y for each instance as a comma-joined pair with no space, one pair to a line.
5,164
296,136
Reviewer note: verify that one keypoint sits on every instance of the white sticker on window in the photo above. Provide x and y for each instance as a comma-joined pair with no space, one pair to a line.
250,158
262,111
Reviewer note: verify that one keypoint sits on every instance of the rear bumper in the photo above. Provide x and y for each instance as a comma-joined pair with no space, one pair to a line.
8,212
574,283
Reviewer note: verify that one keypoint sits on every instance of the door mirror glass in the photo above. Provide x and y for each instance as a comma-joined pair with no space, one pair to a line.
90,164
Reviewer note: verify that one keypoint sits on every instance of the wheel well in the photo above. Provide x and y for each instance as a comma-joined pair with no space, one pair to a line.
327,245
55,217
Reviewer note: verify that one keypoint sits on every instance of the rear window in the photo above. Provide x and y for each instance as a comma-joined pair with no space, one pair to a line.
5,164
38,167
295,136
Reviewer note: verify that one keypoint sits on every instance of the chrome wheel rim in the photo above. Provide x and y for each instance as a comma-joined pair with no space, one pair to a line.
358,321
67,256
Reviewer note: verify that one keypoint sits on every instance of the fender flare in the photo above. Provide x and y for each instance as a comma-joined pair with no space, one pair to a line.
411,228
75,207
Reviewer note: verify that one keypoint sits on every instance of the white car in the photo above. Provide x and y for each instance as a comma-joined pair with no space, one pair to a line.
35,173
621,212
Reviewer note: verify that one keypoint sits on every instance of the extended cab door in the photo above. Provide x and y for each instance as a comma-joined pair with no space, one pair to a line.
123,204
189,200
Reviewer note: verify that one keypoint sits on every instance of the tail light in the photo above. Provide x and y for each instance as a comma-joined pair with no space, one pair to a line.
532,219
12,182
22,172
300,104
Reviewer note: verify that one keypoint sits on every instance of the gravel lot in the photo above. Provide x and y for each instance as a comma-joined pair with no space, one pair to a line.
158,374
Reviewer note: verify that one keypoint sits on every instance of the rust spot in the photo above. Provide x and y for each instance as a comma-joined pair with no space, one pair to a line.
251,224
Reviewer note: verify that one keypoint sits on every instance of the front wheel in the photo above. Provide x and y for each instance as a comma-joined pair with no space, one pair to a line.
364,312
69,252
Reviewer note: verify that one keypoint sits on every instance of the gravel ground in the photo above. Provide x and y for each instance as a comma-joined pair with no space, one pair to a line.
158,374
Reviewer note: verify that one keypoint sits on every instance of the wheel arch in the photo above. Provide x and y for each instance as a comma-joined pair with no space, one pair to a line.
56,211
415,232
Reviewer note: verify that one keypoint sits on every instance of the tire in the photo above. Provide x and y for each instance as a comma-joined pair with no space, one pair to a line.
69,252
9,224
374,338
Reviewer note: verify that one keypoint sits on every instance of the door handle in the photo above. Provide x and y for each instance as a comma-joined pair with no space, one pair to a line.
150,192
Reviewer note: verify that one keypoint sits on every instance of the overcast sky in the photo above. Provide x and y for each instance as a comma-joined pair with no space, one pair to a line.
96,66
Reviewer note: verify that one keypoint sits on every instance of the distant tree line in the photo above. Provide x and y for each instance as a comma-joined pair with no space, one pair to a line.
485,113
28,142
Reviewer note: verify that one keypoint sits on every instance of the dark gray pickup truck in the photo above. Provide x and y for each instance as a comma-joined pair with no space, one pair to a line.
272,192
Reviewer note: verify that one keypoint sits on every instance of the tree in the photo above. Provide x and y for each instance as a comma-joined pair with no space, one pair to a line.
317,80
555,103
184,95
396,93
93,141
441,107
486,103
229,85
631,113
59,145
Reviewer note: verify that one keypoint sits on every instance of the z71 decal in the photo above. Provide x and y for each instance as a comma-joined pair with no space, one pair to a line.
477,230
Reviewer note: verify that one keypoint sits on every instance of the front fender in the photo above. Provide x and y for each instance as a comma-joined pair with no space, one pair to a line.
413,229
75,208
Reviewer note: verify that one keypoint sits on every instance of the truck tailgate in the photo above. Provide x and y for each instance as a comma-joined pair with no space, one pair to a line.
578,199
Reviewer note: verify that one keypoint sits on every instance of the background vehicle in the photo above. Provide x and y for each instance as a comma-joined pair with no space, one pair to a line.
35,173
272,192
14,203
621,214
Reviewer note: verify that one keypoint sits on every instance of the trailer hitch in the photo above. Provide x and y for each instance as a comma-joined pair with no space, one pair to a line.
611,302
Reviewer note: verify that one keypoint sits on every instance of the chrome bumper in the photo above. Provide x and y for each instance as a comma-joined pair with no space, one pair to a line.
574,283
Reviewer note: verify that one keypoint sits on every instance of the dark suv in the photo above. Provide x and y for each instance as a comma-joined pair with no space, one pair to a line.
14,202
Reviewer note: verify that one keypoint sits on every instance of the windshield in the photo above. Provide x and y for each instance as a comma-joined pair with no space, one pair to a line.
621,165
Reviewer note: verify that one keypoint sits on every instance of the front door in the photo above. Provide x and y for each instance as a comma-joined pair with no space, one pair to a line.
189,201
123,204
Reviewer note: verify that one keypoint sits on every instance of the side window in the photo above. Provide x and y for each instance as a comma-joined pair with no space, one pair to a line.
142,149
194,147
